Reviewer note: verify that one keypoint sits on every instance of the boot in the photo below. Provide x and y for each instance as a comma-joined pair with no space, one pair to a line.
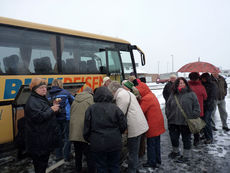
185,158
175,153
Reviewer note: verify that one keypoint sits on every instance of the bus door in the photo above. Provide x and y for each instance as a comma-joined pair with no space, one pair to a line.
114,65
6,124
23,95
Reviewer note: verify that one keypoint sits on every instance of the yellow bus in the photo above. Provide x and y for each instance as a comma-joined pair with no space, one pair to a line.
28,50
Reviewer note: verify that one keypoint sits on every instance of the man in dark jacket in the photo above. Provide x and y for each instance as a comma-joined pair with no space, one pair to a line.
209,105
63,117
221,87
103,128
168,87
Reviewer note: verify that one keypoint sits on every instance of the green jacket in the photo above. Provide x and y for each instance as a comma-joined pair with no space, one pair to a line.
77,115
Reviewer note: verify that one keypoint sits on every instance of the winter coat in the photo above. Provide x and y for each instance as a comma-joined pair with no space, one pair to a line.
65,104
200,92
189,104
221,87
104,123
137,123
209,103
78,108
167,90
151,108
41,126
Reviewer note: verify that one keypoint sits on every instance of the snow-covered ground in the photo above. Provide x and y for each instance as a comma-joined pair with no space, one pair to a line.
210,158
205,158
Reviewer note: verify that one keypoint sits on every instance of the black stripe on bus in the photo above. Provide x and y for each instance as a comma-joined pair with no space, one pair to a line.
3,103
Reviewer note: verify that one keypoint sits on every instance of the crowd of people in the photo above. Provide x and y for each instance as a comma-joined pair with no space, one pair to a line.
96,121
198,97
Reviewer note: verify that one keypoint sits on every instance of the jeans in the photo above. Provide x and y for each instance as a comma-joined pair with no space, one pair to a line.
65,145
175,131
40,162
142,146
107,161
83,148
133,148
208,128
222,111
154,150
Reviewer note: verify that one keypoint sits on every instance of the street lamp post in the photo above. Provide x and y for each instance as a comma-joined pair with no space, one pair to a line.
172,64
167,67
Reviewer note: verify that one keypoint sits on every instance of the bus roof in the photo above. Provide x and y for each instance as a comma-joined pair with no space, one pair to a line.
20,23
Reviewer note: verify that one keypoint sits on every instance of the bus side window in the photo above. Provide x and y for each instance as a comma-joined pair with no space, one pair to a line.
11,64
64,69
103,70
71,66
0,69
91,66
42,65
83,67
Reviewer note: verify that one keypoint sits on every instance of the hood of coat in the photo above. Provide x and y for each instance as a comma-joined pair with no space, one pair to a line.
54,89
194,83
80,97
143,89
103,95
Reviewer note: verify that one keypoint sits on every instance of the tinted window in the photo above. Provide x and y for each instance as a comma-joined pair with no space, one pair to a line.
27,52
114,62
81,55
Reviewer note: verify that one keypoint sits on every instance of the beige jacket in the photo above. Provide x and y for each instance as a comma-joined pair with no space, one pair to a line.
136,121
77,115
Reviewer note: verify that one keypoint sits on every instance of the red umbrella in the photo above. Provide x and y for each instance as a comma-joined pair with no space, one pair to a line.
199,67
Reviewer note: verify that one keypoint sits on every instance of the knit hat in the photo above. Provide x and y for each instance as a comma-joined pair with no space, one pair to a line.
105,79
129,85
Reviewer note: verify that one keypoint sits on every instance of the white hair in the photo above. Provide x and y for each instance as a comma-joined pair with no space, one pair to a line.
114,86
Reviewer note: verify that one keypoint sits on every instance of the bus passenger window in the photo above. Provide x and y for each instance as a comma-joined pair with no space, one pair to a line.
83,67
71,66
42,65
0,68
64,69
11,64
91,67
114,62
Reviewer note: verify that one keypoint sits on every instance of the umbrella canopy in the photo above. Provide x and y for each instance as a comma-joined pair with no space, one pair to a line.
199,67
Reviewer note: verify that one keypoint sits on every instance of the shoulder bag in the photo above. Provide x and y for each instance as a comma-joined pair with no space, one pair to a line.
196,124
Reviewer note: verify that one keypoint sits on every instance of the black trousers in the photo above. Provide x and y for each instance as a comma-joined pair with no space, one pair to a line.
80,149
175,131
40,162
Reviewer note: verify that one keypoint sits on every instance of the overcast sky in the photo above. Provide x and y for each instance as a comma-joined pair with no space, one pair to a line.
184,29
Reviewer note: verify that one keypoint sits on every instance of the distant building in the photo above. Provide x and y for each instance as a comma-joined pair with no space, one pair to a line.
225,73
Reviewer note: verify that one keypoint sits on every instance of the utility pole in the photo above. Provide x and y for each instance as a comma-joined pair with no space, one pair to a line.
172,64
